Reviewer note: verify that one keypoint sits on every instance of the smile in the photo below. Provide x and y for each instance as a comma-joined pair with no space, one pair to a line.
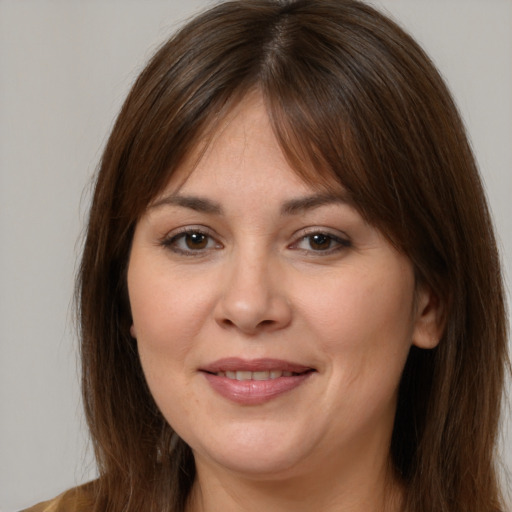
257,381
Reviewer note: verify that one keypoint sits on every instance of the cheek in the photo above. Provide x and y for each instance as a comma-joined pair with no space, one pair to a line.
364,327
167,314
364,310
364,332
167,311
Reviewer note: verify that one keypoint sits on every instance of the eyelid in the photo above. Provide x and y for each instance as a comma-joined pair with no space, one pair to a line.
342,240
169,239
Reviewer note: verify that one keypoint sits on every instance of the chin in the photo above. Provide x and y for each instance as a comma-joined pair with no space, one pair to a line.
270,466
257,454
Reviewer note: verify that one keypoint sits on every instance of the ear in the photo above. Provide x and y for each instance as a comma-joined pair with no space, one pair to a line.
429,319
133,334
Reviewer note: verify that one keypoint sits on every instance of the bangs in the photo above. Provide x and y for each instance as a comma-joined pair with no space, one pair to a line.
320,149
323,134
294,128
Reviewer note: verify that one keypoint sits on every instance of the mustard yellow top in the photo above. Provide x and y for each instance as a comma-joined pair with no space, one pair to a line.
77,499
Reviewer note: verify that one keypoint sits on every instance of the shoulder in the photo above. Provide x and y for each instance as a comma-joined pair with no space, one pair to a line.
77,499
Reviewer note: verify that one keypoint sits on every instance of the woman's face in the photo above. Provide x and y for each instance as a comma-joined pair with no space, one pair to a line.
272,321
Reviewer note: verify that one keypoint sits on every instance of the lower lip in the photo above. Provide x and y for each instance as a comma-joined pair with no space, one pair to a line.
254,392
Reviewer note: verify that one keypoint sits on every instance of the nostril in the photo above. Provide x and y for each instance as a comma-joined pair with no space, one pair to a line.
252,313
227,323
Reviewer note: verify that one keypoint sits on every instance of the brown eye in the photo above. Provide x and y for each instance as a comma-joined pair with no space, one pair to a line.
320,242
191,243
196,241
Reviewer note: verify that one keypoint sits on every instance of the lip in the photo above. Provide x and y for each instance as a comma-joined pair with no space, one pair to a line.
254,365
254,392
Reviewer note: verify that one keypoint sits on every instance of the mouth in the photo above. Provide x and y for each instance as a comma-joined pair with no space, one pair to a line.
259,375
254,382
255,369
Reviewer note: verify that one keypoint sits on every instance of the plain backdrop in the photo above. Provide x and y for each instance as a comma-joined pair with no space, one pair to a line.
65,68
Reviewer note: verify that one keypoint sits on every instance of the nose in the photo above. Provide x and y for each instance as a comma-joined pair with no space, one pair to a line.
253,297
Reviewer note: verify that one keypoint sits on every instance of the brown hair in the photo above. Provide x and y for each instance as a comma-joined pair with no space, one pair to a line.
352,96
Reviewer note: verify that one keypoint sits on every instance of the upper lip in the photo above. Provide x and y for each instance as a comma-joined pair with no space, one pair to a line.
254,365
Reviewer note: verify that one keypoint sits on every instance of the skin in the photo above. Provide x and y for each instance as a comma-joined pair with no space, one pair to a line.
255,283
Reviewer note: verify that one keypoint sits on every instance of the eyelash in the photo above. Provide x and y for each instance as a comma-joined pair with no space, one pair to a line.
171,242
340,243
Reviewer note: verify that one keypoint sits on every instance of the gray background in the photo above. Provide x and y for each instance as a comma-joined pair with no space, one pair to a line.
65,67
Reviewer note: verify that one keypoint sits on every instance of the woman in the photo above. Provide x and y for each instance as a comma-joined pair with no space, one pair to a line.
290,295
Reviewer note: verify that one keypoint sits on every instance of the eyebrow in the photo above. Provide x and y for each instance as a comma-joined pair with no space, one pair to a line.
301,204
290,207
198,204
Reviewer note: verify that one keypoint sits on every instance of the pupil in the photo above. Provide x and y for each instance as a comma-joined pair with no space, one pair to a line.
320,242
196,241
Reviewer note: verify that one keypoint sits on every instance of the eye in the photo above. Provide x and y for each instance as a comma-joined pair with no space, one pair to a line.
191,242
321,242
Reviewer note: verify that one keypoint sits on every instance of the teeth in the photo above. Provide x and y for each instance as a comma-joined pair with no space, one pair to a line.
260,375
263,375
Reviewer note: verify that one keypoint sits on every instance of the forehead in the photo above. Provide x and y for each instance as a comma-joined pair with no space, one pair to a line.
241,151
